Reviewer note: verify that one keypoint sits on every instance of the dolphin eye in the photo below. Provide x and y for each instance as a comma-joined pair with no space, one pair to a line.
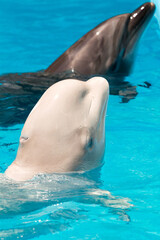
114,67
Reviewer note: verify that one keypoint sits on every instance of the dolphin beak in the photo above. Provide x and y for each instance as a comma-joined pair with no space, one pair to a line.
137,22
140,17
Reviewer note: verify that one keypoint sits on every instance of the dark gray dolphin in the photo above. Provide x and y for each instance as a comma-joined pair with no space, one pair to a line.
106,50
109,48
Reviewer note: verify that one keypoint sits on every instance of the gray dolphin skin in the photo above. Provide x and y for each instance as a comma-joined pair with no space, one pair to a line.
108,49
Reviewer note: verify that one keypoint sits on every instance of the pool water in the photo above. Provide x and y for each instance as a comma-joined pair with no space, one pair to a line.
33,34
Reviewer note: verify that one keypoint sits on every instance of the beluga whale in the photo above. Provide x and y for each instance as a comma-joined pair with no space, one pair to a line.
65,131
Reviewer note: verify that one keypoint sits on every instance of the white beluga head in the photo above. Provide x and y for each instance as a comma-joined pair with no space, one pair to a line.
65,131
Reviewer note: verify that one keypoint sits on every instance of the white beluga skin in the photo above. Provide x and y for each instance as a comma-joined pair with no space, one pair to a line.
65,131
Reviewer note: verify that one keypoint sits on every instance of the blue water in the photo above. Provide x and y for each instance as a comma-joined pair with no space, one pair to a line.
32,35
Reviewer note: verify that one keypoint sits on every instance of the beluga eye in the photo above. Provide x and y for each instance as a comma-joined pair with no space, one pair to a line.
90,143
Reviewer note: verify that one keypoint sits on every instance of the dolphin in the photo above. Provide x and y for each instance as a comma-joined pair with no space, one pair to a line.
65,131
109,48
